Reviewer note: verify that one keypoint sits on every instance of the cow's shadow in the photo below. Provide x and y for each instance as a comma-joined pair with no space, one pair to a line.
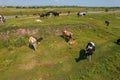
67,39
82,55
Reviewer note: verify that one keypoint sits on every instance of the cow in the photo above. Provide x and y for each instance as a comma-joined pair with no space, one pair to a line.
53,13
72,42
16,16
90,48
68,12
2,18
67,35
118,41
81,14
44,15
33,42
107,22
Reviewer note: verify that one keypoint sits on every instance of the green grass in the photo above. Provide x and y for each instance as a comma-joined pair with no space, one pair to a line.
54,58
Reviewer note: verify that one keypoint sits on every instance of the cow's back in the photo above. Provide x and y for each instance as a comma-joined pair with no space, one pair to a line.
32,40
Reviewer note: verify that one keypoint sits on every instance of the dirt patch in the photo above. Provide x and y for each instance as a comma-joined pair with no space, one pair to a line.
28,66
86,26
57,32
18,32
26,31
4,35
47,64
28,62
64,59
67,67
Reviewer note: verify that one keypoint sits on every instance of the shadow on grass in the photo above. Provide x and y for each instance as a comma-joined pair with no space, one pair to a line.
65,38
82,55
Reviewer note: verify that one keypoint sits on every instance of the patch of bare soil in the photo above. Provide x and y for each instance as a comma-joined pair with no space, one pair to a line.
49,64
19,32
67,67
4,35
57,32
26,31
28,66
28,62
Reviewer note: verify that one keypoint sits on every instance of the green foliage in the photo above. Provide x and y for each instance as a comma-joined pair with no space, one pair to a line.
19,42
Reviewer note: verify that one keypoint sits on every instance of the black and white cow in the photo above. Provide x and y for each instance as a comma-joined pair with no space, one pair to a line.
90,48
2,18
81,14
53,13
43,15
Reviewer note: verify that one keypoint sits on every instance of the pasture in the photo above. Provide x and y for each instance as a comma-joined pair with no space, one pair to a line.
54,58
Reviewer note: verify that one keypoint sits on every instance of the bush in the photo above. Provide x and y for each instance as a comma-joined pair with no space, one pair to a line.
19,42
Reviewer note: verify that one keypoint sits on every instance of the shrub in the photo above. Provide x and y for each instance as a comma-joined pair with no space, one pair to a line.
19,42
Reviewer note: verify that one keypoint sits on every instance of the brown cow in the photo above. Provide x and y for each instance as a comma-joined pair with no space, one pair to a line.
72,42
67,35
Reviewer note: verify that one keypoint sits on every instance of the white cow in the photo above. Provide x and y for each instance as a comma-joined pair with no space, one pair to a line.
33,42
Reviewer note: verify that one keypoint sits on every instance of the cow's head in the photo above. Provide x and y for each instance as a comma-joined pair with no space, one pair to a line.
39,40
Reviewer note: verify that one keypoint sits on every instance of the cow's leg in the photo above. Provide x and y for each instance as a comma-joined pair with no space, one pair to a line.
89,58
34,45
1,20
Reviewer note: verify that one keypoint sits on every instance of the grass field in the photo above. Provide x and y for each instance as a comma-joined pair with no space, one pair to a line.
54,58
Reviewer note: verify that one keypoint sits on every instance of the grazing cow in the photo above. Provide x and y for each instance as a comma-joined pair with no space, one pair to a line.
2,18
118,41
33,42
72,42
16,16
81,14
90,48
53,13
107,23
68,12
44,15
67,35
